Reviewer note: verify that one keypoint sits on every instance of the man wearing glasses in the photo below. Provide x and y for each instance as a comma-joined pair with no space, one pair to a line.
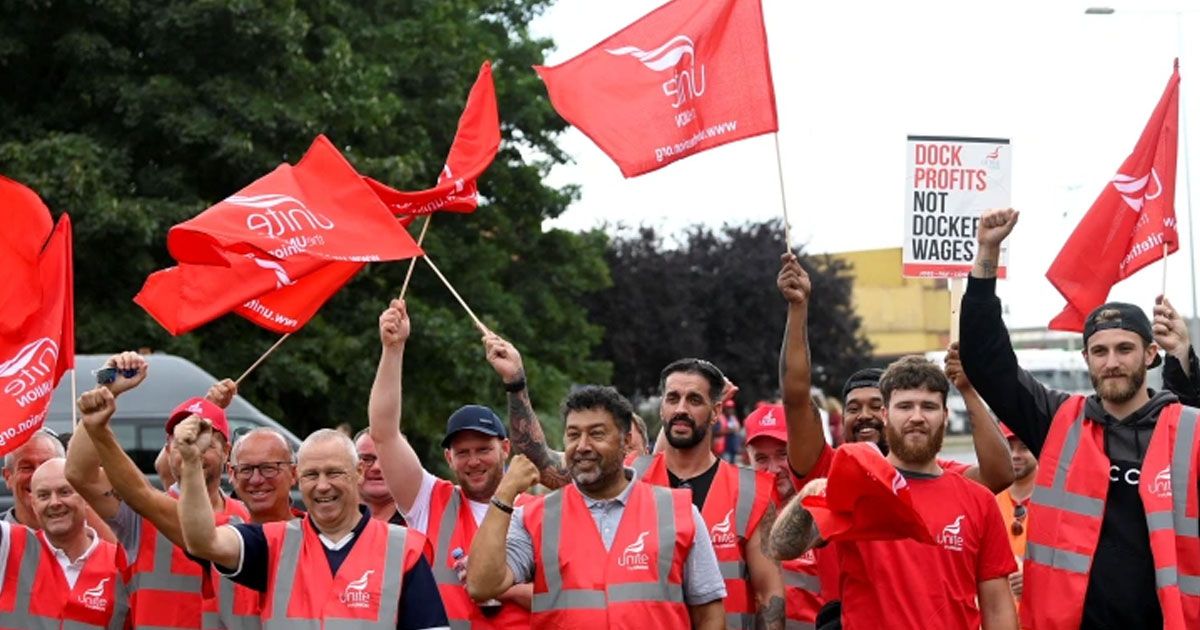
263,471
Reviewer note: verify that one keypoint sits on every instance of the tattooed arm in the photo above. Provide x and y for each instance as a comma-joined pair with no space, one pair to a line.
794,531
765,575
525,429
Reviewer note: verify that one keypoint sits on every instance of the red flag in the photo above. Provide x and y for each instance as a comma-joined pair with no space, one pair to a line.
34,358
689,76
475,146
277,250
23,232
1128,224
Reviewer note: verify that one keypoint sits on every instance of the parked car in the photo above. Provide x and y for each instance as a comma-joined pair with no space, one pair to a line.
141,416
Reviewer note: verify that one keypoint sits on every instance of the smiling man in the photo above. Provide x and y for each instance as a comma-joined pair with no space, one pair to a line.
1112,537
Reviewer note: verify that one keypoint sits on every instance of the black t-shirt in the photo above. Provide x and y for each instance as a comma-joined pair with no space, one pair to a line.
699,484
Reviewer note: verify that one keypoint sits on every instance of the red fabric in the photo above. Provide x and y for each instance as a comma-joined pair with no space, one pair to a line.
206,409
633,558
278,249
318,594
475,146
768,420
689,76
93,598
907,584
801,604
1128,224
865,499
37,353
23,232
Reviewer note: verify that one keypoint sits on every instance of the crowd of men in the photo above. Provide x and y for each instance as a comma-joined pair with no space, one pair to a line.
613,532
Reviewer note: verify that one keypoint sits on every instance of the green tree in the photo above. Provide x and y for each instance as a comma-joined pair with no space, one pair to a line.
134,115
712,295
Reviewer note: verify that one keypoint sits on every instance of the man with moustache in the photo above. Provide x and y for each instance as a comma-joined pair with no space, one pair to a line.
1112,537
63,575
604,551
959,582
475,447
373,488
738,504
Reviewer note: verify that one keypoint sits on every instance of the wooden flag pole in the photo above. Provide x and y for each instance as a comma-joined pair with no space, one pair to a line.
956,293
412,263
478,324
74,399
262,358
787,225
1166,249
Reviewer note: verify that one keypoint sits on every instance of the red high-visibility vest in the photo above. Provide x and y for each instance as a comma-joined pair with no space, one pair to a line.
167,589
452,526
35,593
365,593
736,502
636,583
1067,509
802,589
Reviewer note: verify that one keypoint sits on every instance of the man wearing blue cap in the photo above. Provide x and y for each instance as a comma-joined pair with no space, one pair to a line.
476,447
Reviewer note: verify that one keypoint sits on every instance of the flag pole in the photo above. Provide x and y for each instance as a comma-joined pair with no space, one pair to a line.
412,263
74,399
1166,247
478,324
261,359
787,225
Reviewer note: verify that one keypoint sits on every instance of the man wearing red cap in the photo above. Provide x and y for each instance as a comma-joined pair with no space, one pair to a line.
960,581
166,587
766,443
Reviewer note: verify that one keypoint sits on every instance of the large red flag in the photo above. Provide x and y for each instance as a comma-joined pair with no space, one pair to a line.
34,358
278,249
23,233
1128,224
689,76
475,146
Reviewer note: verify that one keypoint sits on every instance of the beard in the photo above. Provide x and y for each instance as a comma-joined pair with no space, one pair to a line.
1119,390
1023,471
917,454
692,440
483,491
596,476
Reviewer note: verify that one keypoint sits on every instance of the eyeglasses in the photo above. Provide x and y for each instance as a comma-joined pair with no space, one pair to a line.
269,470
1018,525
368,460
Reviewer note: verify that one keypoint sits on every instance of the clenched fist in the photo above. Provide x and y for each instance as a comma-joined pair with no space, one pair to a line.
520,476
504,358
97,407
193,436
996,225
221,393
126,362
394,325
793,281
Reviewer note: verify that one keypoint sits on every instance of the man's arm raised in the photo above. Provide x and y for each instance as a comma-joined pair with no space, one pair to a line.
806,438
83,464
527,436
488,573
994,470
794,531
199,533
402,469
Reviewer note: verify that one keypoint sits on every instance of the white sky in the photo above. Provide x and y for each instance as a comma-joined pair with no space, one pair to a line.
853,79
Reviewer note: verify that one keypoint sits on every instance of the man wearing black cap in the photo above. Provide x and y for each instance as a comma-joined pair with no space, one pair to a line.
476,447
1109,544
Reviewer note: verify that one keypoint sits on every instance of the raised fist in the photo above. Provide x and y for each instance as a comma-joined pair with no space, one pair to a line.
394,325
97,406
793,281
996,225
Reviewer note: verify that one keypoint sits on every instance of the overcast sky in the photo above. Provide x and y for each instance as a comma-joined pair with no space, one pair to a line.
853,79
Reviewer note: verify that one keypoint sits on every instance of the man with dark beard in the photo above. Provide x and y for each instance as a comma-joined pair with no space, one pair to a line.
604,551
476,446
1112,537
959,582
737,504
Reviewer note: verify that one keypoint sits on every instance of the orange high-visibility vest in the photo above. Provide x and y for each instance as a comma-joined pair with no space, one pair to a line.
635,584
736,502
1067,509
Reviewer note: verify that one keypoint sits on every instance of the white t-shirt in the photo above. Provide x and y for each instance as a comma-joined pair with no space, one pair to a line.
417,517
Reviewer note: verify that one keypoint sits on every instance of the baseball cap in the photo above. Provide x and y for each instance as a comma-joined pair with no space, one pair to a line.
862,378
204,408
767,420
474,418
1128,317
866,498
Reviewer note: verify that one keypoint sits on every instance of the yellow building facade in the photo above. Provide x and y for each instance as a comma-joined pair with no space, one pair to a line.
899,315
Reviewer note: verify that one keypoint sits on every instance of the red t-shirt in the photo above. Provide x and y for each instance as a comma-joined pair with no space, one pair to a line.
907,584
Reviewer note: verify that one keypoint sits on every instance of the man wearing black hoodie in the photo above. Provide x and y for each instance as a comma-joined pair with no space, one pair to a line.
1105,578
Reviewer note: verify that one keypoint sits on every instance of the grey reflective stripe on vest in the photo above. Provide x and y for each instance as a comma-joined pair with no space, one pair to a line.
1177,518
737,569
804,581
641,464
226,617
288,565
161,578
443,574
20,617
792,624
1057,496
558,598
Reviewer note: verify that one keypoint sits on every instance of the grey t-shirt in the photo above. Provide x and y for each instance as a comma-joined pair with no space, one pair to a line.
702,581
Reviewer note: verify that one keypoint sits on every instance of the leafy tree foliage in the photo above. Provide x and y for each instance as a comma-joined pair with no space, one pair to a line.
134,115
712,294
